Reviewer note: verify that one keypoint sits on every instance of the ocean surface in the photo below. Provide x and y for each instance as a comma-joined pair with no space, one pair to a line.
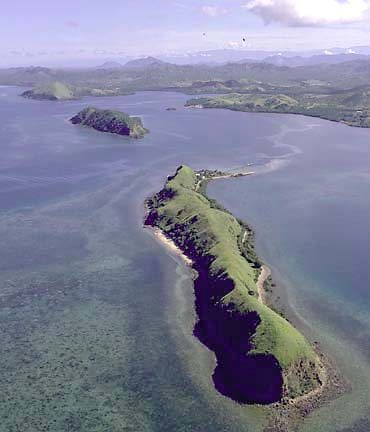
96,317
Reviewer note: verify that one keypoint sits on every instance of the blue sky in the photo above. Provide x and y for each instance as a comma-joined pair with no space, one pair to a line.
41,31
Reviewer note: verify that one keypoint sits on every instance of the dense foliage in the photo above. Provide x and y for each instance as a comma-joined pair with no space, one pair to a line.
111,121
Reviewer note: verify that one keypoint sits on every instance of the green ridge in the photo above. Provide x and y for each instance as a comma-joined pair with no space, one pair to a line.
183,213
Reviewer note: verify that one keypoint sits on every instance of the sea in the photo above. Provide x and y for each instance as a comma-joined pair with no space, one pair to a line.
97,317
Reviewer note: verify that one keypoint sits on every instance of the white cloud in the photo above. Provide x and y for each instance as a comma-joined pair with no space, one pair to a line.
214,11
309,12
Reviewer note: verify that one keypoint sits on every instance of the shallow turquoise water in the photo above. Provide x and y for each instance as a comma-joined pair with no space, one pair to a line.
96,318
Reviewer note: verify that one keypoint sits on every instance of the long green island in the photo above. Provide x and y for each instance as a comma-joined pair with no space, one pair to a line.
261,357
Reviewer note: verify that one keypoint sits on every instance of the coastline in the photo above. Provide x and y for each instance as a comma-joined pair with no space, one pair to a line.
169,244
299,401
330,387
184,92
227,176
262,278
279,113
288,412
291,411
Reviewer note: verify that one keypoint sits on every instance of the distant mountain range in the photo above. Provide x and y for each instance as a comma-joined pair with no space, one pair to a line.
280,60
330,71
110,65
232,56
140,63
225,56
143,63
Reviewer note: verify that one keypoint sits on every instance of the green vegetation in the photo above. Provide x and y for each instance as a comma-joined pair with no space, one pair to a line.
207,232
53,91
339,92
156,75
111,121
351,108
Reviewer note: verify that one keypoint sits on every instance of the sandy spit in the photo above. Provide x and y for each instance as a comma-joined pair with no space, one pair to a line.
170,245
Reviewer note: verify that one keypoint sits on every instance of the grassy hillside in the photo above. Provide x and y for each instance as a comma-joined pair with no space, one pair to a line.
351,108
51,91
116,122
228,306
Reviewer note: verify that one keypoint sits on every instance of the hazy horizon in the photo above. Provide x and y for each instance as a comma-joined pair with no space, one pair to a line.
67,33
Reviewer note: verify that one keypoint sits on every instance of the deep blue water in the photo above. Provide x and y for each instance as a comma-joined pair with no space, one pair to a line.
96,318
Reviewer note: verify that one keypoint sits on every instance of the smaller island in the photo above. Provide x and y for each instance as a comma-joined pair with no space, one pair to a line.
55,91
106,120
171,109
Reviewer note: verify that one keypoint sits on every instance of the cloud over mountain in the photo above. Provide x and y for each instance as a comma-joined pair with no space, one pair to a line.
309,12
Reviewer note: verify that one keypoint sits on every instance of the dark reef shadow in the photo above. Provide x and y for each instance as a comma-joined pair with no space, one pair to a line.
244,378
